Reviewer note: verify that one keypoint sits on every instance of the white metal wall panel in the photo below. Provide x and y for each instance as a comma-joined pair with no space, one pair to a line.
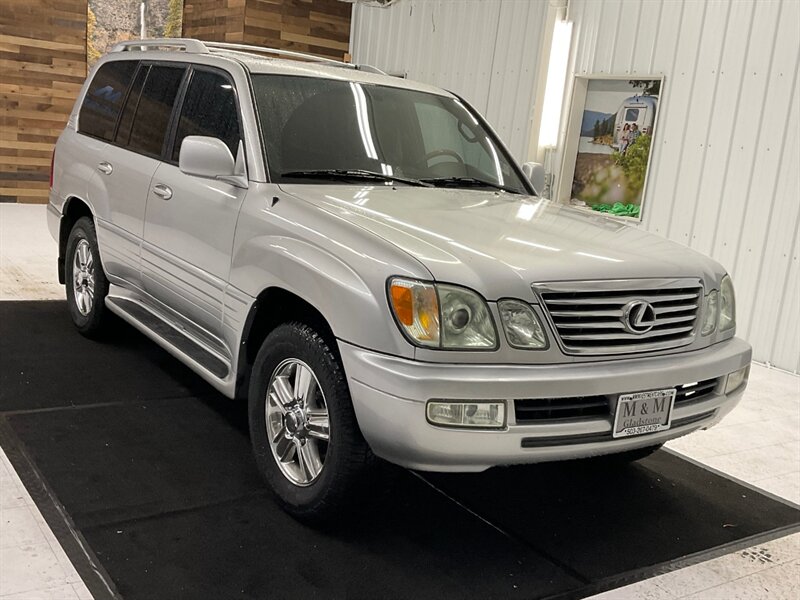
484,50
725,171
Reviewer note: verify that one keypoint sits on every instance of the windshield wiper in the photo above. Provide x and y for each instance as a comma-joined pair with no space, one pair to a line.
353,174
466,182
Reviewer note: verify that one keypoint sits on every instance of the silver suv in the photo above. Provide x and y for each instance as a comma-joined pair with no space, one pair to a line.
360,257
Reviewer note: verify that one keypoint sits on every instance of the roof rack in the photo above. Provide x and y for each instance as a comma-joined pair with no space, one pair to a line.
184,44
277,51
200,47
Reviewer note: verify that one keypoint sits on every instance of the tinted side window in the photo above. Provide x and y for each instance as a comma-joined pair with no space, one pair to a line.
129,110
154,109
104,98
209,109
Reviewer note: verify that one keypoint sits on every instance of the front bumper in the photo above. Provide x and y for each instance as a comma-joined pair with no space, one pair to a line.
390,395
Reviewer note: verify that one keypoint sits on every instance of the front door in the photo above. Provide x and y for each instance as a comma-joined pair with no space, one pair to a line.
190,221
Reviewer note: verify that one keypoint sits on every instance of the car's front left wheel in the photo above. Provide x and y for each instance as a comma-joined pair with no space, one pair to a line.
303,429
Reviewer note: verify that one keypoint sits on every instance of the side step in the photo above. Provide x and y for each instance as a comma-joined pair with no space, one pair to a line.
169,335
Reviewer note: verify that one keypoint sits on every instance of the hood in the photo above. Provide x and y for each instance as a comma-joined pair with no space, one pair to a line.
499,244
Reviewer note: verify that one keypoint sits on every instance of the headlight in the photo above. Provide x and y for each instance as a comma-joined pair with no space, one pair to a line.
442,316
727,309
522,327
710,312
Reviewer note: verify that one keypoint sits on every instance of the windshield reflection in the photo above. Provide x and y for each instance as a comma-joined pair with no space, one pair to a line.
325,129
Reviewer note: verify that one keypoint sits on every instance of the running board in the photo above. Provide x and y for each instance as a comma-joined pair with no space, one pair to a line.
168,336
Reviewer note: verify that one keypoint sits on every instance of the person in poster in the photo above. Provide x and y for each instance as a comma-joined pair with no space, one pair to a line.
614,146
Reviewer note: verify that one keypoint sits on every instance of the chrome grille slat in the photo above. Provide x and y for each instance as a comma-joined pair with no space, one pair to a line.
592,325
626,336
589,317
619,325
622,299
660,310
586,313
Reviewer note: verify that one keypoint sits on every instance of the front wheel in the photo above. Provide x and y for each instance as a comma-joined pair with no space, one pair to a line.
305,437
86,282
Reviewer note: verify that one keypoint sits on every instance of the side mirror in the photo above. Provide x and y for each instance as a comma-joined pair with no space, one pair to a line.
536,174
206,157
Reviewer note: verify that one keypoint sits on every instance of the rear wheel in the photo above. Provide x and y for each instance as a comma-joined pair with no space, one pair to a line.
303,429
86,282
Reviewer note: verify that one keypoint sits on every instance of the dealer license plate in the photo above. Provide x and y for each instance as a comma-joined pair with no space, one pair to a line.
643,412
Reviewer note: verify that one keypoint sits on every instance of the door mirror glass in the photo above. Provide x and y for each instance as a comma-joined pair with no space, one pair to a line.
535,173
206,157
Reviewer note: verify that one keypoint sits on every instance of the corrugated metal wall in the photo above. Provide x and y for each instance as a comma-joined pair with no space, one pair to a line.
484,50
725,175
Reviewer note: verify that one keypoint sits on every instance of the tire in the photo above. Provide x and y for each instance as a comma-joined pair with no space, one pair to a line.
86,282
337,467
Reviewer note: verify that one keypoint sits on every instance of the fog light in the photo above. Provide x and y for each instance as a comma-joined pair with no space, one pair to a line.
736,379
467,414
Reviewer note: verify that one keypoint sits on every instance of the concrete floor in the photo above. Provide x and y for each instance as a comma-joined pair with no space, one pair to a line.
758,443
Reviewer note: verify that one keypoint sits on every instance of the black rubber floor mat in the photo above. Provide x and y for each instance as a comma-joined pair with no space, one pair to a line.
45,363
153,470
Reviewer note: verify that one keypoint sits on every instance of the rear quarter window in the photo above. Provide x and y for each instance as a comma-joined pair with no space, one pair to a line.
104,98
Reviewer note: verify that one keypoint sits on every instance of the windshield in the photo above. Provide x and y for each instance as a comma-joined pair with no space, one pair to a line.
314,124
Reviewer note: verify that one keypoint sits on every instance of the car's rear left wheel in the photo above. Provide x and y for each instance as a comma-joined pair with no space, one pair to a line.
86,282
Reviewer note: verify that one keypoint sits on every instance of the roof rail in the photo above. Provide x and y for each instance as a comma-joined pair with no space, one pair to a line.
184,44
193,46
276,51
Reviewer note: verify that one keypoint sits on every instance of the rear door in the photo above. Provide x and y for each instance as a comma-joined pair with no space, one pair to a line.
136,140
190,221
119,213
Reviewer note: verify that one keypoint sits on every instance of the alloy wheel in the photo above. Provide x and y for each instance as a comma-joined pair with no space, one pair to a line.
83,277
297,422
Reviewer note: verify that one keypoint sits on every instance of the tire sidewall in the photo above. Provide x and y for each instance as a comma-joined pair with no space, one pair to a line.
299,342
84,230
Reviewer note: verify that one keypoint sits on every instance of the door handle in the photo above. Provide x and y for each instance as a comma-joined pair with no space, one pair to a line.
162,191
105,168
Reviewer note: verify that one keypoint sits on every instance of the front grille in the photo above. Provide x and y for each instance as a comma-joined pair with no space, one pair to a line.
591,438
537,410
692,392
589,317
550,409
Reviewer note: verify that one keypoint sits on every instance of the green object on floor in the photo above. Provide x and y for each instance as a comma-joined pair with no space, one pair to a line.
618,208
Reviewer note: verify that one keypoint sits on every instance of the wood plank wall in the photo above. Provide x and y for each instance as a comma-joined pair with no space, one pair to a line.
43,65
42,68
320,27
214,20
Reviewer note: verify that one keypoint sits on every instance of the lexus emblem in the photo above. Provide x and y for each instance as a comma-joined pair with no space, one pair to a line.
638,317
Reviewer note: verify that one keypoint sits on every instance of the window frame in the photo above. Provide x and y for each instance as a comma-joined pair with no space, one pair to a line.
178,99
122,105
178,110
139,68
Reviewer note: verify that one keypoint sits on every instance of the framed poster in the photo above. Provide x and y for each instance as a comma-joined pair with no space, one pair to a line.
607,150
